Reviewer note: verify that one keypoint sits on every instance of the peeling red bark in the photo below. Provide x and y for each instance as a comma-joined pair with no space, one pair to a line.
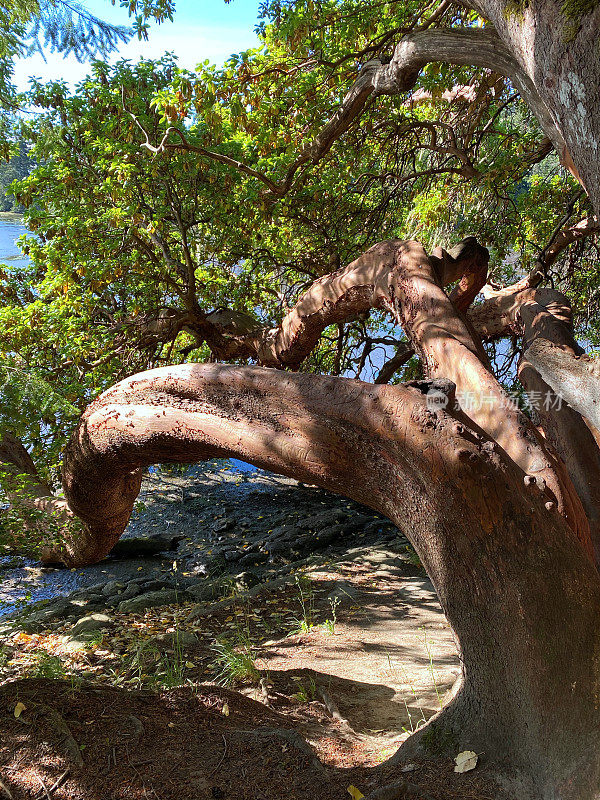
484,497
508,571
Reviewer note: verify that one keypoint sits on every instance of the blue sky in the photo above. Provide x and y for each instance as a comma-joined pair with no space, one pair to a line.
207,29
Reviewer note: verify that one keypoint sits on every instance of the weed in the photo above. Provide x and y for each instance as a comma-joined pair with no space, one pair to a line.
170,672
305,693
438,740
143,657
431,670
412,556
5,657
148,667
306,598
93,639
412,724
234,662
47,666
329,624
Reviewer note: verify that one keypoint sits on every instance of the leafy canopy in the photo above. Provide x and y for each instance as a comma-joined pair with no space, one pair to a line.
133,248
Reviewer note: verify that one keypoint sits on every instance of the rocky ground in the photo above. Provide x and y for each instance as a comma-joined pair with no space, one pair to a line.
225,525
313,610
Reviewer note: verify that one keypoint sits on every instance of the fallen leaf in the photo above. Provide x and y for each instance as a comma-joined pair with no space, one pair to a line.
19,709
355,793
465,761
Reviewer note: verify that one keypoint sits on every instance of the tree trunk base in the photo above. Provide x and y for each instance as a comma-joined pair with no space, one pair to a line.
525,773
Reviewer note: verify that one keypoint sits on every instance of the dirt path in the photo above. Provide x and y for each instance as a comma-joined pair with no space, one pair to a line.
387,667
347,651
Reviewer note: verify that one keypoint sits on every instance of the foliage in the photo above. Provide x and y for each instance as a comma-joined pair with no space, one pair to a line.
47,666
28,26
69,28
18,167
234,662
130,245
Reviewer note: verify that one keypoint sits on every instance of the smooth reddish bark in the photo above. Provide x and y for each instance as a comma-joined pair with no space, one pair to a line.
517,586
486,502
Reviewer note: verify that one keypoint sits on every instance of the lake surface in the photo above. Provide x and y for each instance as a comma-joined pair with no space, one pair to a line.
11,227
22,580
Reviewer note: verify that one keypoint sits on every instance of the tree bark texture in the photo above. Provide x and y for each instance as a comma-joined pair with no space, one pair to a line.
500,523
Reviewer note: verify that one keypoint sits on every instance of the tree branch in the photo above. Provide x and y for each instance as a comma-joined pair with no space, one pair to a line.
463,47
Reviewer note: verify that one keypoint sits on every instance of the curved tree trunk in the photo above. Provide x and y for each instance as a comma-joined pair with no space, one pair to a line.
557,373
555,43
401,277
486,502
37,522
516,585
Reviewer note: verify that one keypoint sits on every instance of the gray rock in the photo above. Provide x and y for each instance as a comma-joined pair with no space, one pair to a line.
285,532
304,542
183,639
325,519
153,584
253,558
246,580
328,535
89,623
131,590
279,547
162,597
344,592
112,587
96,588
205,590
223,524
57,609
94,598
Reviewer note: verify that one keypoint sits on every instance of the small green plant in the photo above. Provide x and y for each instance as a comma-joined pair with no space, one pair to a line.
170,672
329,624
305,693
5,657
94,639
75,683
234,662
143,658
431,670
415,720
306,599
412,556
47,666
437,740
148,667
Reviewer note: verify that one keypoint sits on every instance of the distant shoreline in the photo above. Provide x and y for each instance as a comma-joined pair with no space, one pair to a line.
11,216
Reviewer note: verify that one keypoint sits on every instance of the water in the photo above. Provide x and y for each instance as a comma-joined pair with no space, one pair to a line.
11,227
23,581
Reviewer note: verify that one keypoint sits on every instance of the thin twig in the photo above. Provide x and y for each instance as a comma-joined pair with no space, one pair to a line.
222,757
43,785
55,785
5,789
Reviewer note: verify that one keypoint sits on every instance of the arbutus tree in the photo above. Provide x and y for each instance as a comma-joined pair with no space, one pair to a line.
482,494
502,509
